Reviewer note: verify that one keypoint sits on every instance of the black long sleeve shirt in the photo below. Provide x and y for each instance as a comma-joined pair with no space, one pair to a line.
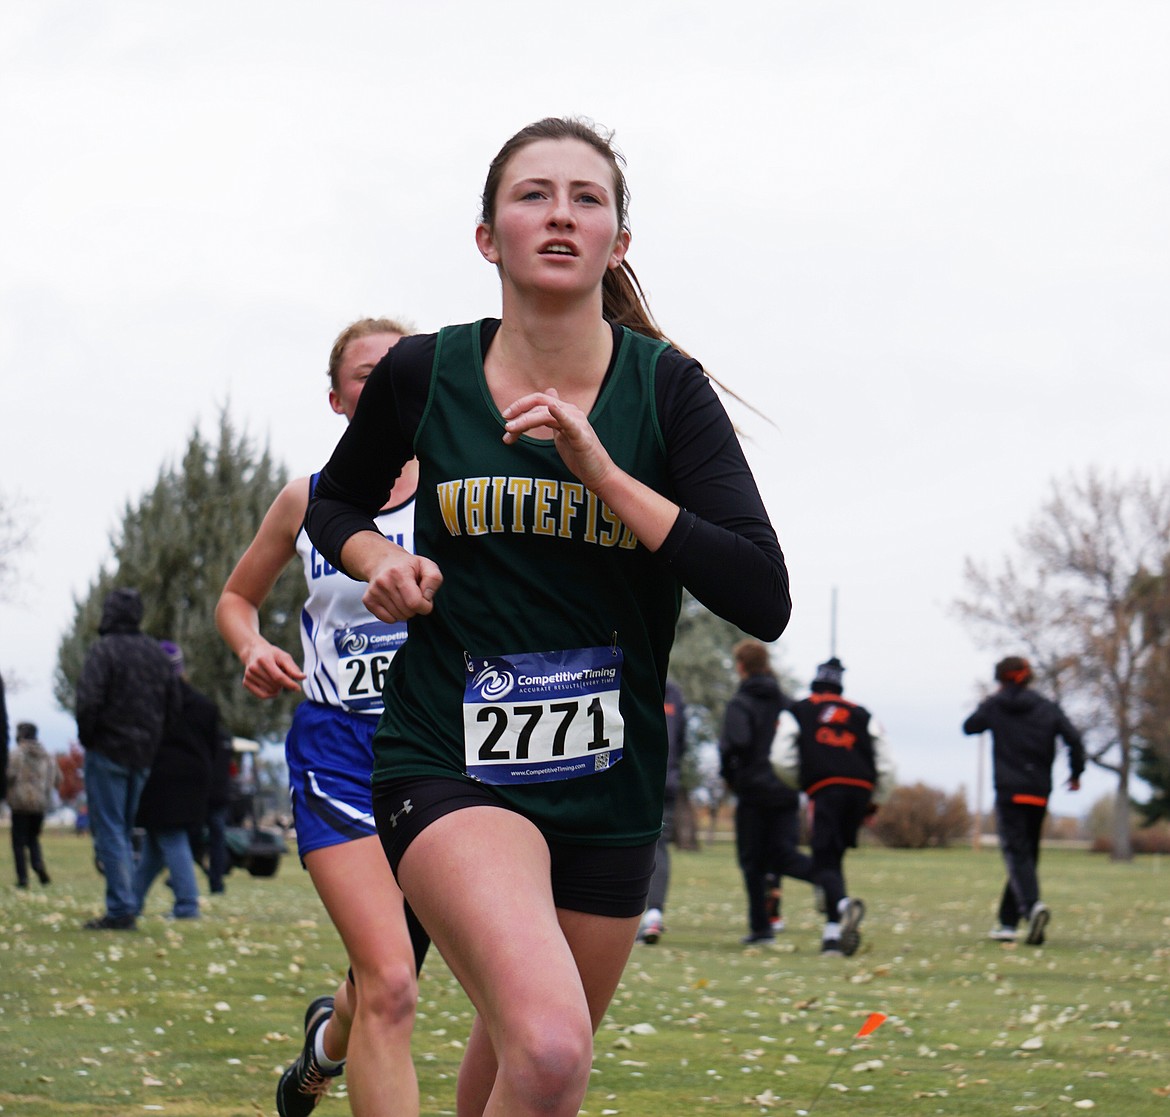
722,546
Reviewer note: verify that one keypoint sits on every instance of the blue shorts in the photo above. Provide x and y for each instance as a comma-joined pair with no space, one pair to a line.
330,756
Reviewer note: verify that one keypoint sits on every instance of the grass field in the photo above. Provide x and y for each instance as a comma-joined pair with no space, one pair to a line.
197,1018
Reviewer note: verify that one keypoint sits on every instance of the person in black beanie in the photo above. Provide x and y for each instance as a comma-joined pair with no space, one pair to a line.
767,812
1024,728
835,751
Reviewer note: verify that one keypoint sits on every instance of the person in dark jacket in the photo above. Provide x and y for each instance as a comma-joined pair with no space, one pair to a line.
767,813
3,743
835,751
124,695
651,928
1024,729
174,799
209,838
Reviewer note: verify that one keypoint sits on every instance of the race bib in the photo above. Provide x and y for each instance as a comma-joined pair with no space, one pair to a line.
538,717
364,651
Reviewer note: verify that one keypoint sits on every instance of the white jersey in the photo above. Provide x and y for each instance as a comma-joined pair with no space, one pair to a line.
346,649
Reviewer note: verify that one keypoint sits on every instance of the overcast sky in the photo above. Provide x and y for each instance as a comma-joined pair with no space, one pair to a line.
930,240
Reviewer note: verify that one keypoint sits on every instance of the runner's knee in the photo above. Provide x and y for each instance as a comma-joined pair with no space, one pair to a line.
387,990
549,1061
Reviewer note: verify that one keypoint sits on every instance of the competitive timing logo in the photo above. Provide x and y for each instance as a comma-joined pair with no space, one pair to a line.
368,638
493,683
352,642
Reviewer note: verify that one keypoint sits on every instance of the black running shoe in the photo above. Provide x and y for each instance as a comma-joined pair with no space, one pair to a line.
111,923
304,1084
1038,923
753,937
852,912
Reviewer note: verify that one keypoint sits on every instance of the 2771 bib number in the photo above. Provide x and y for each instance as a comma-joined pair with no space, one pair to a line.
537,717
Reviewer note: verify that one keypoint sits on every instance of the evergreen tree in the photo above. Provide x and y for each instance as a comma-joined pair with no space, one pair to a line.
701,663
177,546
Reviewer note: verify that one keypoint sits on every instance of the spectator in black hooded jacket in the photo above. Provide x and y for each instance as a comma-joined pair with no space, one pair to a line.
767,813
3,743
1024,728
174,800
124,695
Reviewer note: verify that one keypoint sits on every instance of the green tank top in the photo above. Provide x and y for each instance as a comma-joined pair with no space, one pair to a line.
542,583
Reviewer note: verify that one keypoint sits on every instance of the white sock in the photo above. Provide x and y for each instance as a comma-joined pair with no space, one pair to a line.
323,1060
832,931
653,915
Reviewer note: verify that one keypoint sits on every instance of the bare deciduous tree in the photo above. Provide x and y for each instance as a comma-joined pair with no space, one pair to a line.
14,534
1067,602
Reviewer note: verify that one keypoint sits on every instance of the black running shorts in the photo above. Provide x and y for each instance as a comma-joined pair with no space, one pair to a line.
597,880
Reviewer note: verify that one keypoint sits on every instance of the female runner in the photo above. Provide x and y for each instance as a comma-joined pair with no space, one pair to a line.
575,472
368,1022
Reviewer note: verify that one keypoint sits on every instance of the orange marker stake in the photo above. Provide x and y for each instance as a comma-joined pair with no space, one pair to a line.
874,1021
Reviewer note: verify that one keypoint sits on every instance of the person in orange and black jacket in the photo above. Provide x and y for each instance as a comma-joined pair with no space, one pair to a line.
834,750
1024,729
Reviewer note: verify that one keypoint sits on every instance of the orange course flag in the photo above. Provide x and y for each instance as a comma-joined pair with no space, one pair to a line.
875,1021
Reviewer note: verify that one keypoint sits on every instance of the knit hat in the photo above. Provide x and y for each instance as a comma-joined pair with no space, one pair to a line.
175,654
26,731
830,673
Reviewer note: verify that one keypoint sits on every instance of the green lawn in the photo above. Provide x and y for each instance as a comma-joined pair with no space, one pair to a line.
198,1018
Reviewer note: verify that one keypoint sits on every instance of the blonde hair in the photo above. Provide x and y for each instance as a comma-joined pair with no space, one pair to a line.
363,327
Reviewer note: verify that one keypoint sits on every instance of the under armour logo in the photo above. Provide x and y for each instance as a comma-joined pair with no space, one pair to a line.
407,807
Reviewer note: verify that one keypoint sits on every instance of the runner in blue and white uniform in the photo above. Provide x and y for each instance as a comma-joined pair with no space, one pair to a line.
367,1023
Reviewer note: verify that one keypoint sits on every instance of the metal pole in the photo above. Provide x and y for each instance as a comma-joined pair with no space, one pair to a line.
833,624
